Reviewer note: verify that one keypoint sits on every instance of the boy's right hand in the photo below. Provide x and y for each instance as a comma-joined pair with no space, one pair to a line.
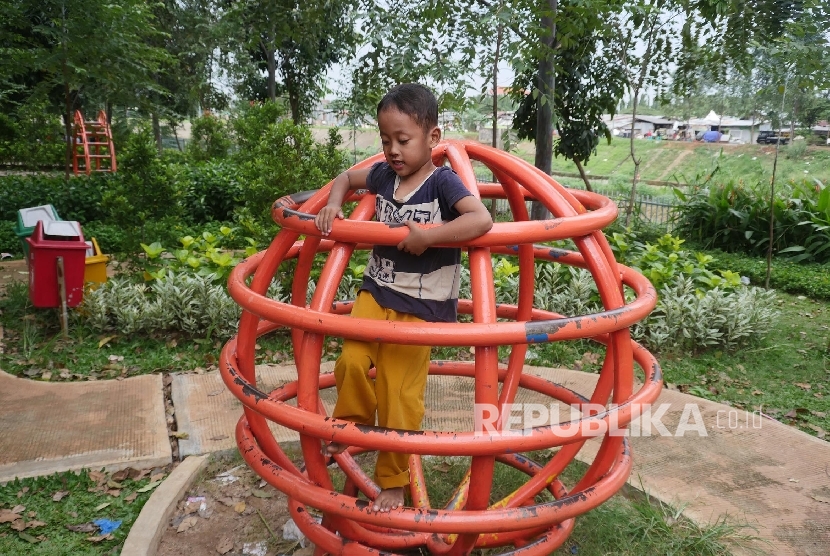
326,216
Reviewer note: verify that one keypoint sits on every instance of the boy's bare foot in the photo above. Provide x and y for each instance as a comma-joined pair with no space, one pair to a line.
388,499
334,448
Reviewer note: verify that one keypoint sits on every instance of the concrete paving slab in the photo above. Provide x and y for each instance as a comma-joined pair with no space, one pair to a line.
49,428
726,463
208,412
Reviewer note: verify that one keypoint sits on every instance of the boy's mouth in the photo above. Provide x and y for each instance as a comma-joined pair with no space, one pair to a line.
396,164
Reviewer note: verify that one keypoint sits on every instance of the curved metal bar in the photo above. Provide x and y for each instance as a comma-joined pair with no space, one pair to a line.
470,519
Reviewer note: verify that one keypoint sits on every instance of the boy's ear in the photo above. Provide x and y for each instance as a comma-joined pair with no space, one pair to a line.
434,136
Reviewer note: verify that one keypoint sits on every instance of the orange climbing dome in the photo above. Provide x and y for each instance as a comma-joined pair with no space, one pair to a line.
536,518
92,148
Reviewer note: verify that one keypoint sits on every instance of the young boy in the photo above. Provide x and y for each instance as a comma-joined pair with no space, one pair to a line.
413,282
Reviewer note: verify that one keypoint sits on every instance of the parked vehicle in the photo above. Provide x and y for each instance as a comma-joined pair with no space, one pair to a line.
770,137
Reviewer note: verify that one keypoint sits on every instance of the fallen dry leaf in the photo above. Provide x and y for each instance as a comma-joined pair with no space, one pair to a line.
156,477
8,516
34,523
239,507
100,538
59,495
262,494
149,486
187,523
29,538
114,492
97,476
100,507
137,475
114,484
803,385
181,435
22,491
215,393
19,509
18,525
131,497
104,341
83,528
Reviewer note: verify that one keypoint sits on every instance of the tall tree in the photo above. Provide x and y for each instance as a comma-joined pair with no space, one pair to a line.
589,84
79,49
296,40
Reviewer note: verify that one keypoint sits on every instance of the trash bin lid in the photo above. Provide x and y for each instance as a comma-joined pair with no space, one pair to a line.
31,216
62,228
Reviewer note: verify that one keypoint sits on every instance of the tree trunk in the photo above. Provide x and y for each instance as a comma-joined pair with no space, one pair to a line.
583,174
546,84
630,208
157,133
495,141
293,101
67,122
635,99
271,59
108,109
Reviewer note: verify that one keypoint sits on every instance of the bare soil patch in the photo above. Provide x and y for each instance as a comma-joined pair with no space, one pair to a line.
230,511
13,271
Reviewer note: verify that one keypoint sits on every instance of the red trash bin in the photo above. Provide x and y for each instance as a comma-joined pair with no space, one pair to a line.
49,241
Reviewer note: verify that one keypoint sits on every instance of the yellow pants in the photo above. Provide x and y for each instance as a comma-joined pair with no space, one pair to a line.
396,394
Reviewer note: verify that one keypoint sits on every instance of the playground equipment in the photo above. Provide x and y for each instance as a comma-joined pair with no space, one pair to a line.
92,148
470,520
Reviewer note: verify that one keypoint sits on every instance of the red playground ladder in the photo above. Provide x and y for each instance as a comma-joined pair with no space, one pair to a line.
92,145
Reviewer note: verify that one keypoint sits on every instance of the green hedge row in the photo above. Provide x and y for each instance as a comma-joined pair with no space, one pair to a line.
810,279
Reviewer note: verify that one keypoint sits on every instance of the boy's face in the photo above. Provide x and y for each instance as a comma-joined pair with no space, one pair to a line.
406,145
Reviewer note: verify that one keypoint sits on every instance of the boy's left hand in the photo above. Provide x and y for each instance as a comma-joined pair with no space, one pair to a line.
416,242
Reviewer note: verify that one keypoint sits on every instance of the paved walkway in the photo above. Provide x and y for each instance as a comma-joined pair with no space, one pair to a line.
770,475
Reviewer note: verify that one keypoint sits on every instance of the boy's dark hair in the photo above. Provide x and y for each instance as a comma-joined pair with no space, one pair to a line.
414,100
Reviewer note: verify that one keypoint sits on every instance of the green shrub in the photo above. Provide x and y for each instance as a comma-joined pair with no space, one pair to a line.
735,217
9,242
31,137
810,279
796,150
147,188
175,302
178,302
212,191
702,304
78,198
276,157
209,139
203,255
688,320
664,260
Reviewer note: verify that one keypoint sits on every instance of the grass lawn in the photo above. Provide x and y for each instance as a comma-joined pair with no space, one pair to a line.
55,515
787,376
749,163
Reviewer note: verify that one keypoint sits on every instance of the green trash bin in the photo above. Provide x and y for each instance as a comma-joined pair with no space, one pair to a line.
28,218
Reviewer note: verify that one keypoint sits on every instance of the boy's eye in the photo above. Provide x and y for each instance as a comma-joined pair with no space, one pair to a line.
404,141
